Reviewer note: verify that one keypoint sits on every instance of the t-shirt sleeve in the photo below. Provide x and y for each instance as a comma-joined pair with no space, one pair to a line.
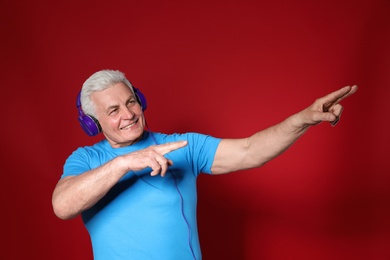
202,148
77,163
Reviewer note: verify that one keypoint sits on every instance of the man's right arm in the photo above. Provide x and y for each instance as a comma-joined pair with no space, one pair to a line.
74,194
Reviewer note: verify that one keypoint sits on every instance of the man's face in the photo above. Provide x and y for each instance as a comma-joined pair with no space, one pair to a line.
119,114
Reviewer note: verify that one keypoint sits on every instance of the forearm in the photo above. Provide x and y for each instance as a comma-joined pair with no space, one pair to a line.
254,151
273,141
74,194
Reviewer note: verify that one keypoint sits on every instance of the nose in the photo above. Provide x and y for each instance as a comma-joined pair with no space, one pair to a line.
127,113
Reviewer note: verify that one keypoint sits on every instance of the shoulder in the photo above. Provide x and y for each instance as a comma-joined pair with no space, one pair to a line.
87,154
86,158
90,149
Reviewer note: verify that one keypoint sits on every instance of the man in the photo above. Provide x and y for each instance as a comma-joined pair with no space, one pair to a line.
129,212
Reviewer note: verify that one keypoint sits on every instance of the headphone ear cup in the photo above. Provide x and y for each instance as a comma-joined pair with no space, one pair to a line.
140,98
90,125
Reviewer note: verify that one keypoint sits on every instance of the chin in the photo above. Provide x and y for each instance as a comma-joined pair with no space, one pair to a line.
135,134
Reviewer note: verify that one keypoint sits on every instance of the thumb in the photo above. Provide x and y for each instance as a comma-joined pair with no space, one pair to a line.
318,117
328,117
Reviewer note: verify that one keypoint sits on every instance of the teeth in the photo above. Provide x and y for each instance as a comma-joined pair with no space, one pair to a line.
127,127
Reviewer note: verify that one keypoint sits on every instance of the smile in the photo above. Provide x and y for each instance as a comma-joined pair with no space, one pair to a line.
129,126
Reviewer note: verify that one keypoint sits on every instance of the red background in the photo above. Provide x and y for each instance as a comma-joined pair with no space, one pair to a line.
225,68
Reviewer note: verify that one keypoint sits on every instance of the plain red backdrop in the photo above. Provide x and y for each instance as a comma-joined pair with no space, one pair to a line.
225,68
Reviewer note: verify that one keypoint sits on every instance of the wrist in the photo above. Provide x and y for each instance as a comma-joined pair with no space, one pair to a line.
297,123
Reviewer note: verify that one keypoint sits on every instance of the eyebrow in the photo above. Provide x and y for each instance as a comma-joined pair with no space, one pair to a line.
112,107
116,106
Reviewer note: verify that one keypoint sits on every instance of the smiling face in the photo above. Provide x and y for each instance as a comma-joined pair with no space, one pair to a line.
119,114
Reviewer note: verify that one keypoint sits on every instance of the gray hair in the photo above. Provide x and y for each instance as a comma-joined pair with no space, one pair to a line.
100,81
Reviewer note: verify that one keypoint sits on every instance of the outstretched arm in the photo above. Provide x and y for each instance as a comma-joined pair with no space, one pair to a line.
254,151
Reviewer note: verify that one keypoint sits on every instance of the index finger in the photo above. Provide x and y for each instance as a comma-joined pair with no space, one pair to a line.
169,147
335,97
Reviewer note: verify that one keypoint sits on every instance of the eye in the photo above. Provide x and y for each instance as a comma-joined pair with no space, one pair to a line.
131,102
113,111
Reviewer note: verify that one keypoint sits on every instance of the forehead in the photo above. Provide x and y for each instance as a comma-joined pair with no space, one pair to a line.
114,95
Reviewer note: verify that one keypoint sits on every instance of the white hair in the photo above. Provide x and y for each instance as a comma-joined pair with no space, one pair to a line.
99,81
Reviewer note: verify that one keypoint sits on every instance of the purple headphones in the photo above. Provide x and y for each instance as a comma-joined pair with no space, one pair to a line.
91,125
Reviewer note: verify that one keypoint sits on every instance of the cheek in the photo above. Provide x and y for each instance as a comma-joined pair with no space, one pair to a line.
109,122
139,113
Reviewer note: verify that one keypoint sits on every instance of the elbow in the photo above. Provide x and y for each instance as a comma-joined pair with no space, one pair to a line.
61,210
60,215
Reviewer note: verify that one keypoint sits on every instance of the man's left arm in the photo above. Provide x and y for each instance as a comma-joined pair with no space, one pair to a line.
254,151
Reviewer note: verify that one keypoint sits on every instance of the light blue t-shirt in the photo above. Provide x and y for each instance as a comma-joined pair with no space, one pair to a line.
144,217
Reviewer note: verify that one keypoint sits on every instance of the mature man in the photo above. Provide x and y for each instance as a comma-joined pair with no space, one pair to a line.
129,212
